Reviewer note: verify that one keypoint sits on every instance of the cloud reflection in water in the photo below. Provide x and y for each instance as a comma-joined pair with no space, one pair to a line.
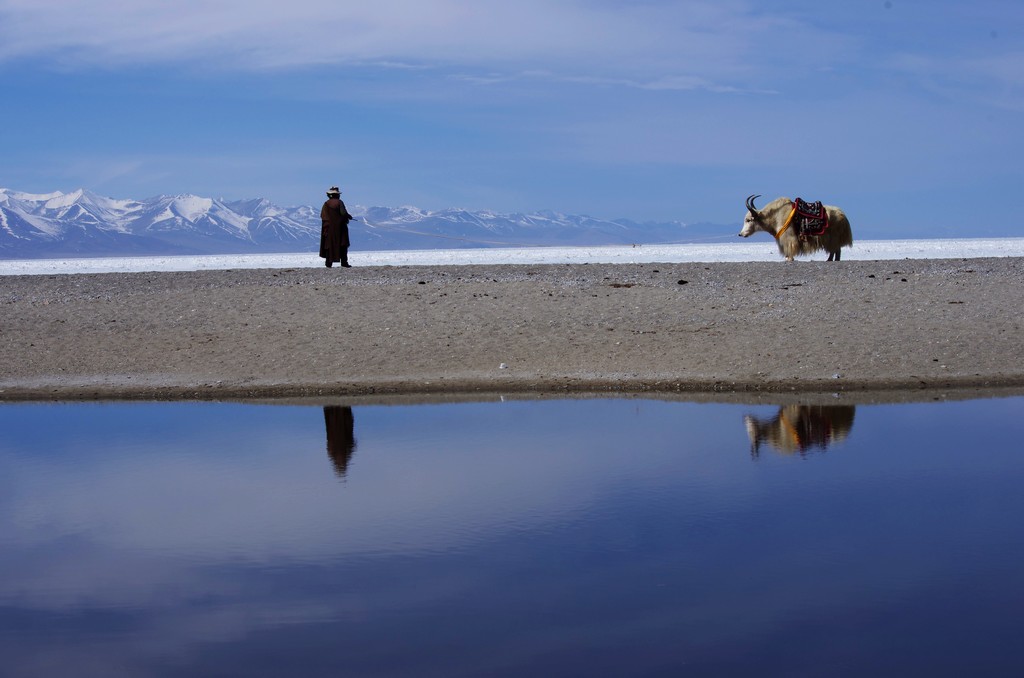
621,535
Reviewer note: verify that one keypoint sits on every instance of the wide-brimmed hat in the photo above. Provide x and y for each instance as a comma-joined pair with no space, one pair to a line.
333,189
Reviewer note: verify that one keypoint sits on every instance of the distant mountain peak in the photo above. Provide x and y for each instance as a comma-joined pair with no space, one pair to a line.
81,223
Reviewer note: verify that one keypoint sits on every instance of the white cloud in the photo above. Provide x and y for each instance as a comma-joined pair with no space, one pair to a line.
680,83
669,45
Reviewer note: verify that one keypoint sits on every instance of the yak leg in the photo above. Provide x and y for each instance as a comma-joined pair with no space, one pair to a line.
834,256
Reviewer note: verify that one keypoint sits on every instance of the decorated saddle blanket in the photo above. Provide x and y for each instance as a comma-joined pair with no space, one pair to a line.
810,218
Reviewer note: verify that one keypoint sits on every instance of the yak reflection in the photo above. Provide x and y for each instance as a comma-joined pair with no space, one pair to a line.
800,429
341,441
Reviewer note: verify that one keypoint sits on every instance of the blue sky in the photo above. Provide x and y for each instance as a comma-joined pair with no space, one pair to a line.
908,114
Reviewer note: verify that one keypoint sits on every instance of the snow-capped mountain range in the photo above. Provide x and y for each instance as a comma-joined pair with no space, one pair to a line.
84,224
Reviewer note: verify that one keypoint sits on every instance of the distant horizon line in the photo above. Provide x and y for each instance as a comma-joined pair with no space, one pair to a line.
733,252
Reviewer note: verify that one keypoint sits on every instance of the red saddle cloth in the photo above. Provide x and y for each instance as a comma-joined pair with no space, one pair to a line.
811,217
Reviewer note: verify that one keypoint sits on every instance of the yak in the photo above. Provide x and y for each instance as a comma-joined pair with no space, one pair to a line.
776,218
800,429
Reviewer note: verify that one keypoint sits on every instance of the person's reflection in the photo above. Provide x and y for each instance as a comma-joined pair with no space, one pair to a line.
341,441
800,429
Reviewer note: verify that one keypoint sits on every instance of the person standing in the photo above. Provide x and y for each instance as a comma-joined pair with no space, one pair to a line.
334,218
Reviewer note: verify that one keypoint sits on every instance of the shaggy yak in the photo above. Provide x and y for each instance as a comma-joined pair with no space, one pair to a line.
796,232
800,429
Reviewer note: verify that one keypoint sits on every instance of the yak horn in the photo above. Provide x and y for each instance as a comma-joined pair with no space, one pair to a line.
750,204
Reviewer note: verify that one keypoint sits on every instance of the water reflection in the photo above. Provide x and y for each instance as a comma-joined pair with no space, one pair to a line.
800,429
341,440
575,537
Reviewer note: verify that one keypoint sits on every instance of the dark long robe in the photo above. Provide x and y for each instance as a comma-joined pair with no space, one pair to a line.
334,220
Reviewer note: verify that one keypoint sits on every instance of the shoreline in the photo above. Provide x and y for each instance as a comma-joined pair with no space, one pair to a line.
880,329
726,249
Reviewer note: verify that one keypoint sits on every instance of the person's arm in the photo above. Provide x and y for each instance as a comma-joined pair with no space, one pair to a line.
344,212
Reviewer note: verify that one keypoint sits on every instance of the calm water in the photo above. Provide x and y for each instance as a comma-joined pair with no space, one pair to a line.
577,537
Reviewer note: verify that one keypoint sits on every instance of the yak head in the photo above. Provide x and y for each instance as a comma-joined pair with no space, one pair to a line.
752,219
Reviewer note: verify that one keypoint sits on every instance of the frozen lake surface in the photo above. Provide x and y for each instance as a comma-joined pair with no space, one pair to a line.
760,250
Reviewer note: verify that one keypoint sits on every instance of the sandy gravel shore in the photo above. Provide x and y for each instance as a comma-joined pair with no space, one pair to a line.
773,327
